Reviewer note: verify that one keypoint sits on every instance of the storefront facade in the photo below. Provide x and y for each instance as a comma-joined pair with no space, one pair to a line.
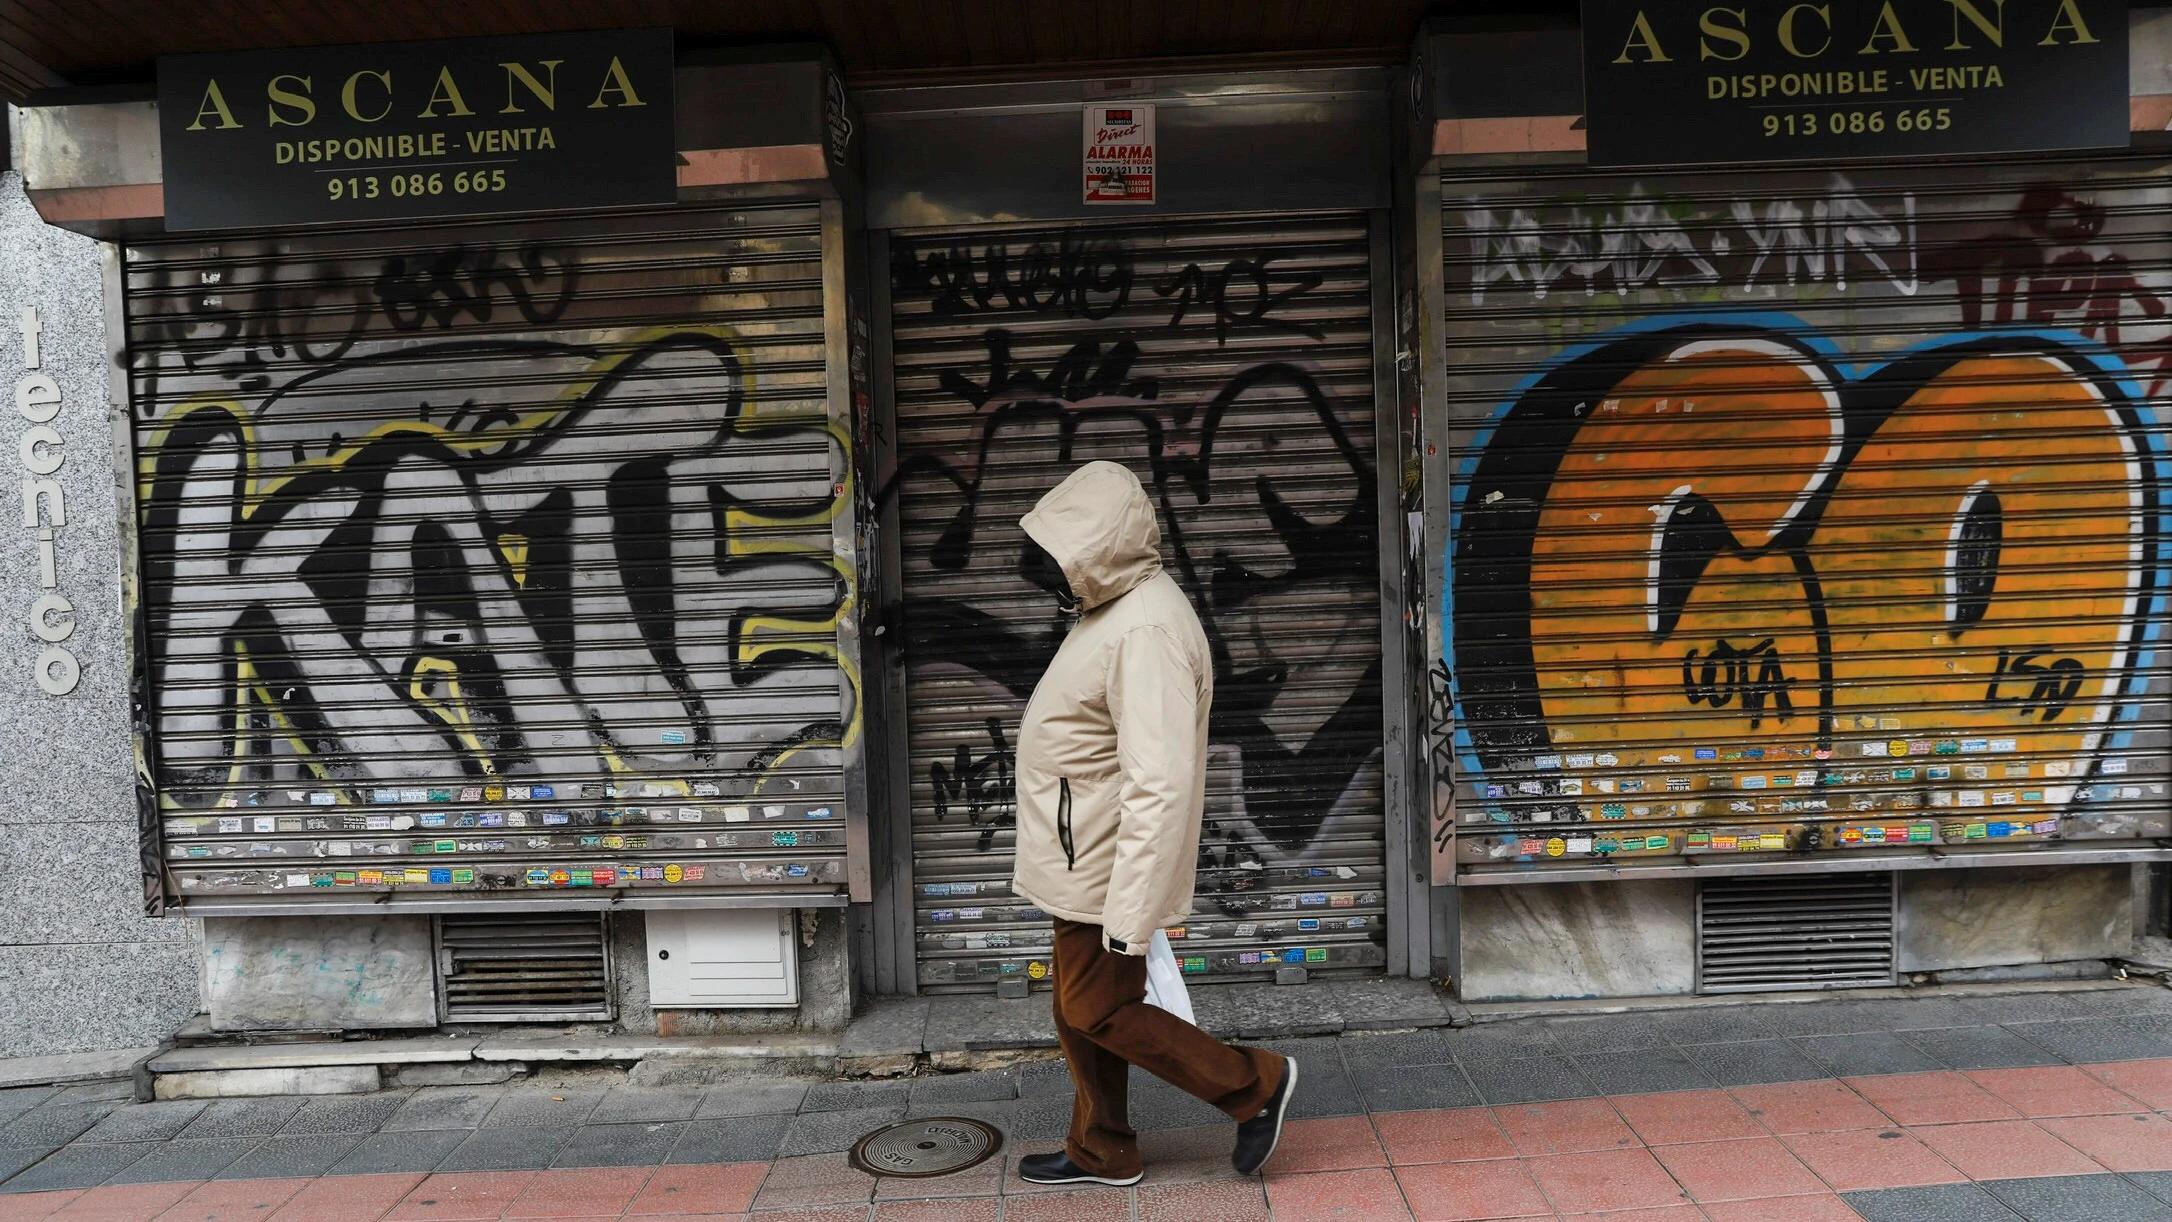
1621,582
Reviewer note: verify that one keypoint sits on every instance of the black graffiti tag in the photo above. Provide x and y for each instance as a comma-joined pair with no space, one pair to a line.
440,288
2056,683
1751,674
982,784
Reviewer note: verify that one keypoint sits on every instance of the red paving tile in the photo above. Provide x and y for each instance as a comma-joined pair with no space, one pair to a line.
113,1203
1665,1213
585,1192
2141,1142
1339,1144
1568,1127
1605,1179
1736,1170
1092,1205
813,1213
982,1209
1367,1195
814,1179
457,1196
1944,1097
1809,1107
1464,1192
1871,1158
1821,1208
1687,1115
2148,1081
30,1206
715,1188
1224,1201
233,1201
2054,1090
2004,1150
348,1198
1447,1136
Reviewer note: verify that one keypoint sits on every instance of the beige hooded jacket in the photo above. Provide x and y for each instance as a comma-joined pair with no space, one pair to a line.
1112,755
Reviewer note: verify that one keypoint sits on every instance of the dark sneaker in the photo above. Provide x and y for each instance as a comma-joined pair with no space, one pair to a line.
1257,1137
1058,1168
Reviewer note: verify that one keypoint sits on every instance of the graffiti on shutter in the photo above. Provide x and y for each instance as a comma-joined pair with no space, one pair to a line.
492,533
1229,367
1798,515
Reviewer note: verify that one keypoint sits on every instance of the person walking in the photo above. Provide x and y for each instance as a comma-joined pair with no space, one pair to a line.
1111,782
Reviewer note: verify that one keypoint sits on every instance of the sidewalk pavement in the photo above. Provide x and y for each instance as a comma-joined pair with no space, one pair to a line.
2038,1106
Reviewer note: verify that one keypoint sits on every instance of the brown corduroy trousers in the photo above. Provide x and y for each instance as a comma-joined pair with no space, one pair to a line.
1105,1026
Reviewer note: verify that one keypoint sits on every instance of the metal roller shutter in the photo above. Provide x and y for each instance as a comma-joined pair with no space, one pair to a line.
1229,363
1808,512
503,561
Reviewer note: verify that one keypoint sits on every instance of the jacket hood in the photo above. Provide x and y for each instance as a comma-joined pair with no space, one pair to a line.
1099,525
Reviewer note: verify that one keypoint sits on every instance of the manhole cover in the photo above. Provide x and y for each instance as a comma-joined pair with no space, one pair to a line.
917,1148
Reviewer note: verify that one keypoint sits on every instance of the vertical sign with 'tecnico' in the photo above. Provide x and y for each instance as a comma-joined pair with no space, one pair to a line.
1120,154
43,453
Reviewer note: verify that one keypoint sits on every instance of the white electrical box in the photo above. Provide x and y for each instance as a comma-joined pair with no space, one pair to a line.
713,957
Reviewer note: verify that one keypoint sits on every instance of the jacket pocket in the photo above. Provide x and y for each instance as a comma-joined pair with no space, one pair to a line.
1063,823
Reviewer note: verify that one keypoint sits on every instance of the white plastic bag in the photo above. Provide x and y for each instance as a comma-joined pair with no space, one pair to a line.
1165,979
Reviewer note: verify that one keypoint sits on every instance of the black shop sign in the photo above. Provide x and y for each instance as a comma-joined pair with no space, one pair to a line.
411,129
1671,82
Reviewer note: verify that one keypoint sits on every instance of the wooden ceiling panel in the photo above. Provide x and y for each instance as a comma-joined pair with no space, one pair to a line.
44,42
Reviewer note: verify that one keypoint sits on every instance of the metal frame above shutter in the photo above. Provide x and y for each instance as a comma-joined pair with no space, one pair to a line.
1231,363
506,563
1808,519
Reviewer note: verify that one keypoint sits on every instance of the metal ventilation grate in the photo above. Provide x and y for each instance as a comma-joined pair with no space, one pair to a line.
1815,931
541,967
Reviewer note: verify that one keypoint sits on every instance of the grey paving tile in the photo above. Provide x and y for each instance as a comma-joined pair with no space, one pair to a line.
2157,1183
185,1158
2083,1040
1399,1048
301,1154
1539,1080
1157,1105
16,1100
1002,1113
400,1152
1999,1009
85,1164
1521,1040
620,1145
1753,1062
536,1106
244,1117
1586,1033
14,1158
1642,1071
647,1104
442,1108
1866,1054
1940,1203
1328,1092
1042,1118
1044,1078
829,1132
344,1114
851,1096
2131,998
752,1099
146,1121
990,1087
517,1147
1397,1089
1979,1048
54,1124
740,1139
118,1091
1726,1024
2064,1198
